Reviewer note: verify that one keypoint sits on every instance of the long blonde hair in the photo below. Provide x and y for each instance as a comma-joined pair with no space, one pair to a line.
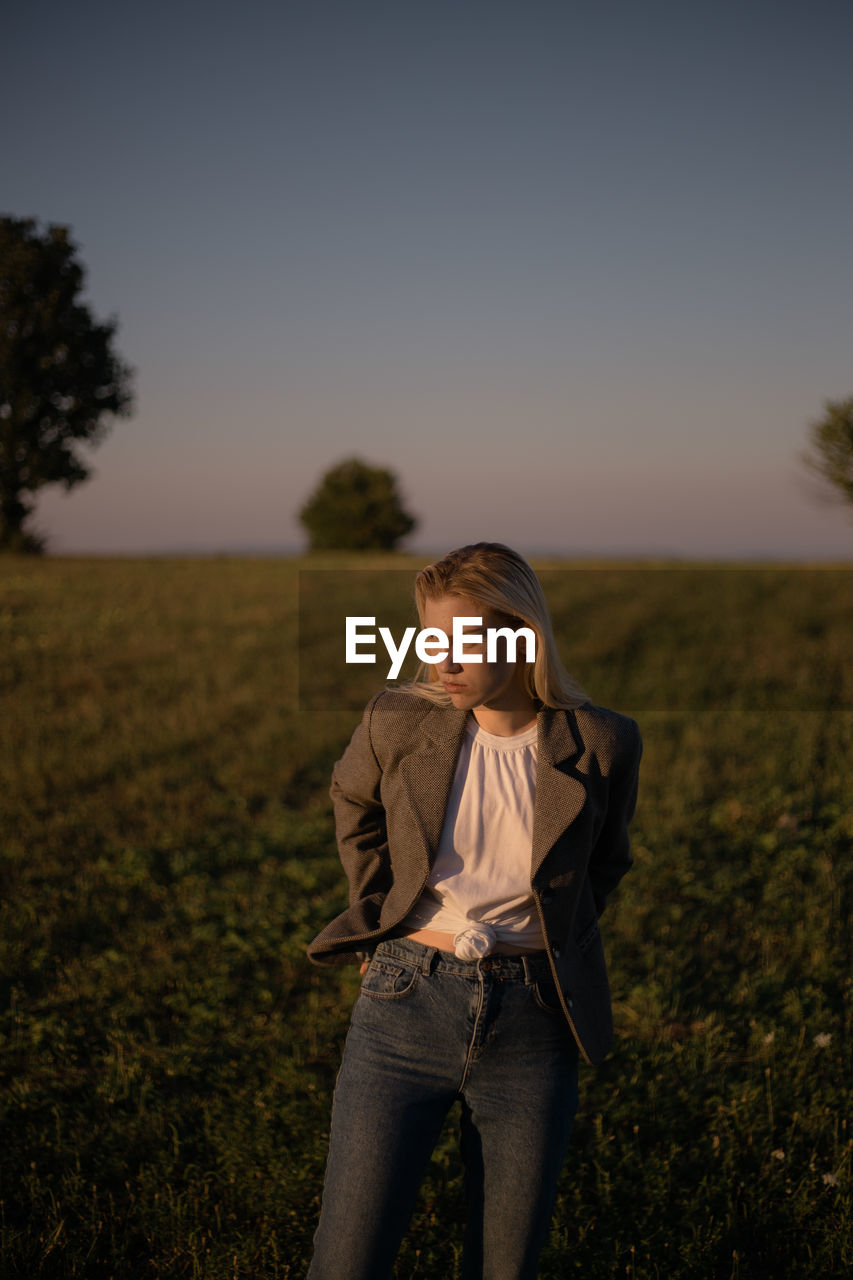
499,578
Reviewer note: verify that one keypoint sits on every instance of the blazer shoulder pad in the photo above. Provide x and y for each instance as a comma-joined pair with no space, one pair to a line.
394,714
611,730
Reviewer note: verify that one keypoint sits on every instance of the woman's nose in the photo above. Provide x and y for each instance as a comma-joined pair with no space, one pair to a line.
448,667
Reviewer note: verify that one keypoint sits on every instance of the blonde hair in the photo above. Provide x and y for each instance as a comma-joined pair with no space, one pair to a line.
500,579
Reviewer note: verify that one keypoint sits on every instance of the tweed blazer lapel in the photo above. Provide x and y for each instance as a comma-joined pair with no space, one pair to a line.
560,795
426,776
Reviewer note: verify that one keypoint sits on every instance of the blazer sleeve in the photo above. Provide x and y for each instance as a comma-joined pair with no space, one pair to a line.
360,820
611,857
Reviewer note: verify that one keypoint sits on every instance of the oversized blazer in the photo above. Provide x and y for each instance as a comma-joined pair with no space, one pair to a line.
390,790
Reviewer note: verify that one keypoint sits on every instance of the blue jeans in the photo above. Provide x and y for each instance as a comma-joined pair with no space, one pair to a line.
427,1029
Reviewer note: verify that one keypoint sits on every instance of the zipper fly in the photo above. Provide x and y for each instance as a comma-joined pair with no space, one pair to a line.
472,1043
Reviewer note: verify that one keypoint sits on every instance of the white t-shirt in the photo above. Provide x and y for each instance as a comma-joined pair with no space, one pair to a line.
479,886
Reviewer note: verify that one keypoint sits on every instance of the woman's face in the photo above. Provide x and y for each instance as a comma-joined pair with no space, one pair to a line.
498,685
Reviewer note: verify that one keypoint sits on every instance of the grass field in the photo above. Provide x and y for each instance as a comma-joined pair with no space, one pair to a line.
168,1053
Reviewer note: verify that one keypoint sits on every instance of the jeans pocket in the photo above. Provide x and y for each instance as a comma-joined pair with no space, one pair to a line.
389,979
546,996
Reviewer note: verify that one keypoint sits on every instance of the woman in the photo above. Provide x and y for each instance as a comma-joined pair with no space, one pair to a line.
482,821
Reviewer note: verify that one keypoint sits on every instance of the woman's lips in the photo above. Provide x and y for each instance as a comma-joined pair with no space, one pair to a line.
454,688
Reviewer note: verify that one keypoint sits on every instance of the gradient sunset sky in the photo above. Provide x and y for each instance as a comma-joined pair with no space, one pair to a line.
579,273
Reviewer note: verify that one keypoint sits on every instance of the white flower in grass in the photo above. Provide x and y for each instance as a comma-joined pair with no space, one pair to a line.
830,1180
770,1037
823,1039
778,1154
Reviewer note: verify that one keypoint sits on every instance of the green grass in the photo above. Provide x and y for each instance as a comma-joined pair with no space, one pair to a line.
168,1053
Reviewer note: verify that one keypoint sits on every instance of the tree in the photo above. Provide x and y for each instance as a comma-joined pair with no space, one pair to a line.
60,379
356,507
830,453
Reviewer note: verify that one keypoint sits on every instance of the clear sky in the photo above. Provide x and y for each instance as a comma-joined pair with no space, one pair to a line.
579,273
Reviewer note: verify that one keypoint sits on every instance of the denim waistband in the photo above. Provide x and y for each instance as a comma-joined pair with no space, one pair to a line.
532,966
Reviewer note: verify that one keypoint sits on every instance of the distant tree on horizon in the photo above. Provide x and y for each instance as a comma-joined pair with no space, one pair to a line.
355,507
829,456
60,379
